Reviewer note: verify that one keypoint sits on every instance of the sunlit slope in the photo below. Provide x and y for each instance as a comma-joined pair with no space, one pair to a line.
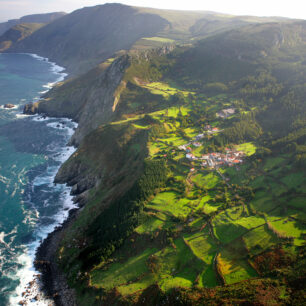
192,187
87,36
18,33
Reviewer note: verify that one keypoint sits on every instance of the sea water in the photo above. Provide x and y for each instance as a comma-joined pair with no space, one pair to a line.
32,148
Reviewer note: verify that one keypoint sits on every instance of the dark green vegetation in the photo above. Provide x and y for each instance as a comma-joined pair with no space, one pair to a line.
157,227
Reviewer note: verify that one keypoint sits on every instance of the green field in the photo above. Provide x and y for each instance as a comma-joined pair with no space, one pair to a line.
248,148
150,226
159,39
208,181
259,240
229,224
234,270
170,203
290,228
202,245
121,273
177,266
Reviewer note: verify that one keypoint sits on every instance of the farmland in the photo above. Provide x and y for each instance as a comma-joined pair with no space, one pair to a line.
207,225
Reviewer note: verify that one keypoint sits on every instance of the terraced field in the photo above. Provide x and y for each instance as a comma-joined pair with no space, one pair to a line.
207,226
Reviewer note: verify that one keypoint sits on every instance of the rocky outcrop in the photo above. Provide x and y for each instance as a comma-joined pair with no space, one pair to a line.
8,105
89,99
100,100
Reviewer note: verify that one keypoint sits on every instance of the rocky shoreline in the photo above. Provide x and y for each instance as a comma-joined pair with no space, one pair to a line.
53,281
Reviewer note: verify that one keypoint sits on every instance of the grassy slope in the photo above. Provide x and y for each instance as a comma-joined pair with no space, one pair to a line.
81,40
18,33
197,231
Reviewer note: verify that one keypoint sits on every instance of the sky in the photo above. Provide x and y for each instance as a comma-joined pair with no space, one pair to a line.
10,9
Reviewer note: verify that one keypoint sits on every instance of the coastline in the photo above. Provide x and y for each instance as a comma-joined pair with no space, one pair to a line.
53,282
48,285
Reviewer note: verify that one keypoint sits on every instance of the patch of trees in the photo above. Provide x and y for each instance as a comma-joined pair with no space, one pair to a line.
118,221
215,88
260,86
246,129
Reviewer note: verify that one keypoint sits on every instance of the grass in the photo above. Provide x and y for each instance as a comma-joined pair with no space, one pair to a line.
156,147
259,240
203,202
211,207
290,228
160,39
164,89
228,228
208,278
177,267
248,148
191,132
202,245
208,181
120,273
173,140
143,283
170,203
234,270
149,226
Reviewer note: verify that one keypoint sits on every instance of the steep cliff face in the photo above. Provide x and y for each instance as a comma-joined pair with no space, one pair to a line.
101,99
90,100
18,33
35,18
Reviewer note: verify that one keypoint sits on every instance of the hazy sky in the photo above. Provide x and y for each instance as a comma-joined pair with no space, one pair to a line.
288,8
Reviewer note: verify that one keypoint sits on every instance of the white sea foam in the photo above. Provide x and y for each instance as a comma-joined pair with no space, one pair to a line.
22,116
28,276
54,68
29,287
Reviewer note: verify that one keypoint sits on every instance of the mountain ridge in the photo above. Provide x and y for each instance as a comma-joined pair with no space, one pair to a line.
113,27
34,18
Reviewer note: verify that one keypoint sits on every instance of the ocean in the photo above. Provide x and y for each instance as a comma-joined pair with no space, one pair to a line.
32,148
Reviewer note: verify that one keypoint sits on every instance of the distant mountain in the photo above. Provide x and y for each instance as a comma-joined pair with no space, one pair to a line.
81,40
17,33
36,18
87,36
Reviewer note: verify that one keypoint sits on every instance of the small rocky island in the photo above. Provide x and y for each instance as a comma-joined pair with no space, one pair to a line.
8,105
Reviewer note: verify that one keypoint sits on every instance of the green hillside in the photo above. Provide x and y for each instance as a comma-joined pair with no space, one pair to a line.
35,18
192,185
18,33
81,40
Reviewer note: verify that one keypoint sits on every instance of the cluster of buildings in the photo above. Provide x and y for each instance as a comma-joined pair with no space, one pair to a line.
211,130
230,158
